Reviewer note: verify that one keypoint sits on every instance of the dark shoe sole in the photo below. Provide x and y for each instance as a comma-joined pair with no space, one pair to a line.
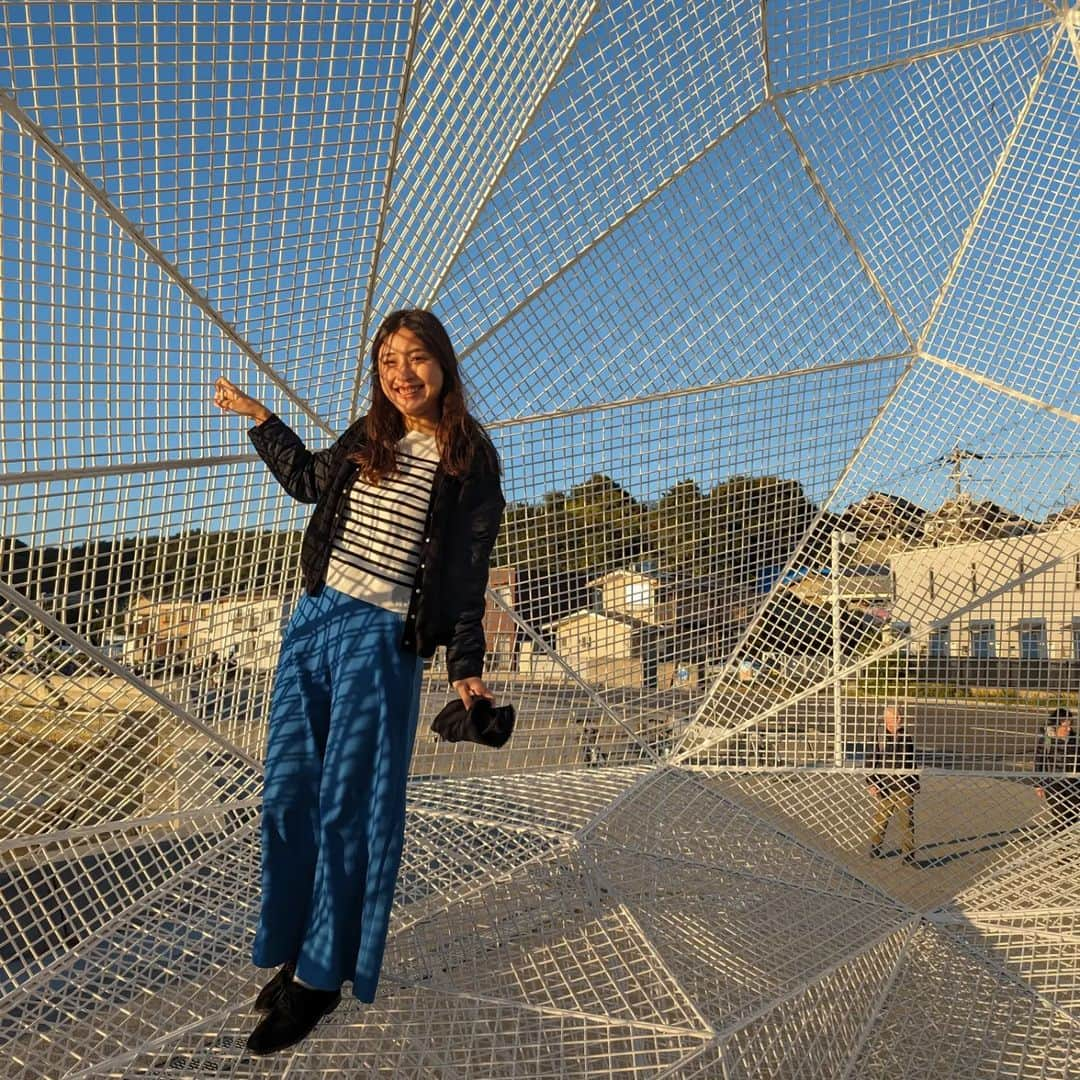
277,1047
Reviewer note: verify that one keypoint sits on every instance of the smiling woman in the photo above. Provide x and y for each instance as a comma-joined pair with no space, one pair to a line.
395,562
415,385
412,379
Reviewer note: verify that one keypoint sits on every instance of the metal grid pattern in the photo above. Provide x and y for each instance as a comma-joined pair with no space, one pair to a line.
771,311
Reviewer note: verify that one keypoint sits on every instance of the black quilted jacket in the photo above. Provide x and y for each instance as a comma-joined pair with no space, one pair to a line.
464,515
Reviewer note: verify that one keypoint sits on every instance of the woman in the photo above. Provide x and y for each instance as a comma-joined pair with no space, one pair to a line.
394,562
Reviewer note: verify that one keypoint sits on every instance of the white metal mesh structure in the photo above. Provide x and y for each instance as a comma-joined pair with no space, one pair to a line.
772,312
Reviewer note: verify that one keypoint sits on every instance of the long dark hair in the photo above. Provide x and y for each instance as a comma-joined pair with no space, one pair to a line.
460,438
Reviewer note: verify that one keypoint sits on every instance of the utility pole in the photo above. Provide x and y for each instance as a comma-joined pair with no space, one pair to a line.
837,539
958,459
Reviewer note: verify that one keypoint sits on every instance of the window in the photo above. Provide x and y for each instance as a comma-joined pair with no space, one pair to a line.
982,641
937,645
930,583
974,580
1031,634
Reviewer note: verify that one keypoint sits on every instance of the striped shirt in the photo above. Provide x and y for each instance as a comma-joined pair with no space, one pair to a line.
380,530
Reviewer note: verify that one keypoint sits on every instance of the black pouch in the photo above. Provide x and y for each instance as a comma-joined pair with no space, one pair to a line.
483,723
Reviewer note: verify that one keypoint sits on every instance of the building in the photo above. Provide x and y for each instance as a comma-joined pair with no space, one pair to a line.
615,641
651,630
964,519
500,629
157,631
1070,515
1037,618
645,596
244,629
884,517
861,587
607,648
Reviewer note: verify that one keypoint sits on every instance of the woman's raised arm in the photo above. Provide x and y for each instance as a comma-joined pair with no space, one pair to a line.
229,397
303,474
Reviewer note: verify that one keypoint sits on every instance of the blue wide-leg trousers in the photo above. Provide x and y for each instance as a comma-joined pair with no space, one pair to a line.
342,722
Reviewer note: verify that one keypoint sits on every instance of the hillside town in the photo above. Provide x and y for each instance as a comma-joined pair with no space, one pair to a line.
968,581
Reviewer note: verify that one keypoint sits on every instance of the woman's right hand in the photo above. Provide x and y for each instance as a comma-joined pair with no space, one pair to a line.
231,398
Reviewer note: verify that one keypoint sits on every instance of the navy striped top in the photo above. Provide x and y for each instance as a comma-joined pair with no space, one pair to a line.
380,531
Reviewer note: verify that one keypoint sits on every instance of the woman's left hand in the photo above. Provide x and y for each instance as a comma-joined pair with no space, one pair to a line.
472,688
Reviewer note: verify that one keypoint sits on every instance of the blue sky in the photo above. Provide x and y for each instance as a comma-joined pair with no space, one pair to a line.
251,144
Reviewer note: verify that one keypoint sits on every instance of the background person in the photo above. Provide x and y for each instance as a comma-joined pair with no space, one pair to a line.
894,794
1058,751
394,563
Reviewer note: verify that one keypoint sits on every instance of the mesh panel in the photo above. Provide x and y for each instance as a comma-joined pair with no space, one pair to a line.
980,1023
814,41
559,196
736,273
980,327
250,147
906,154
771,313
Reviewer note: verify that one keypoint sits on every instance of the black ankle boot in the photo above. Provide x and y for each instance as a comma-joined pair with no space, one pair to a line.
297,1010
271,992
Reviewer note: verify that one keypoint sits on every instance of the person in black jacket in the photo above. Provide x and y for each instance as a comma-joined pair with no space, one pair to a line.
895,790
394,563
1056,752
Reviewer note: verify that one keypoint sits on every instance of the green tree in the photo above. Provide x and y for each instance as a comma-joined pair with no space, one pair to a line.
677,529
753,525
604,526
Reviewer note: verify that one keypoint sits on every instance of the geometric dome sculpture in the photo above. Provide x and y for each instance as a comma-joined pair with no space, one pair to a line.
772,313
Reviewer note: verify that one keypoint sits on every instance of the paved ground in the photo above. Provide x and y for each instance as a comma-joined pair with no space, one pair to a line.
964,825
993,737
562,726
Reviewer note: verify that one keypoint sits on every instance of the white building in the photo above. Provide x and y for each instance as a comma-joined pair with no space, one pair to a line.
1033,585
604,648
637,595
245,629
